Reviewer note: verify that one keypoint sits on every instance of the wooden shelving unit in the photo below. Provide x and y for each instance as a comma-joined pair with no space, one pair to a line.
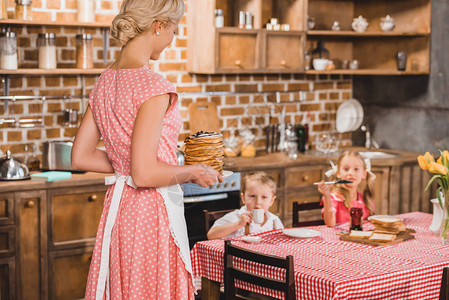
65,71
56,23
231,50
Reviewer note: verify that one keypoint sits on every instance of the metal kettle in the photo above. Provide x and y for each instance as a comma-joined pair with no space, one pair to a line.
12,168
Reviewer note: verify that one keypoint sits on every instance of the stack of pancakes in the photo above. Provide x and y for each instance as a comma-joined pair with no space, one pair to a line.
206,148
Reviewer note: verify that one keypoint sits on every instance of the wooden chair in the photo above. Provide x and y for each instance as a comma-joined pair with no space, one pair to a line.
231,273
211,216
297,207
444,290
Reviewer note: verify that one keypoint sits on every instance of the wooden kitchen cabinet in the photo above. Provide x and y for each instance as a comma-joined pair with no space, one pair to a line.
47,235
68,271
213,50
411,34
283,52
74,215
31,244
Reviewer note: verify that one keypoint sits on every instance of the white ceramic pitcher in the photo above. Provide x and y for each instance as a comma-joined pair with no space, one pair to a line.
438,215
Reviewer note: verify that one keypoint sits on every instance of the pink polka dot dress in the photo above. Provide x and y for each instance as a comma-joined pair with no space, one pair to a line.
144,258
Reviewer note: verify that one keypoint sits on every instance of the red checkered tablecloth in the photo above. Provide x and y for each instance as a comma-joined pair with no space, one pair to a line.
327,268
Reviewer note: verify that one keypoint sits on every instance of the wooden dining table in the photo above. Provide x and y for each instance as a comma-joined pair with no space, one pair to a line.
329,268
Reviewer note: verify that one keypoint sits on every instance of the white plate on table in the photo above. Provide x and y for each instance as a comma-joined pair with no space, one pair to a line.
301,233
226,173
385,218
252,239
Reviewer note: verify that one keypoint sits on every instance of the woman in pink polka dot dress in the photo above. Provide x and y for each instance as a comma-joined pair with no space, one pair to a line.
141,250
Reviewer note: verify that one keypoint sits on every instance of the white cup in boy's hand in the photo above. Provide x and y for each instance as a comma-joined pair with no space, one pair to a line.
258,215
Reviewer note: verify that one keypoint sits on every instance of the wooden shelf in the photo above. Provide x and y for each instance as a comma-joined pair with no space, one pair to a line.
312,33
367,72
55,23
66,71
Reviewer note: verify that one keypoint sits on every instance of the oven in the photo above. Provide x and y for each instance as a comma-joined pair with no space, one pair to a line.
220,196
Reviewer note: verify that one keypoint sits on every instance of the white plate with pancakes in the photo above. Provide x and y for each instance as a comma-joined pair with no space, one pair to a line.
301,233
227,173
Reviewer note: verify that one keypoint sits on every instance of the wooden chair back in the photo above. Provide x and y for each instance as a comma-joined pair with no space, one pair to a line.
297,207
231,273
211,216
444,290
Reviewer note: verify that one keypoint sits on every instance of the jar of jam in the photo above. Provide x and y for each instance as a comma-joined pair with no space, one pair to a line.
356,218
84,51
23,10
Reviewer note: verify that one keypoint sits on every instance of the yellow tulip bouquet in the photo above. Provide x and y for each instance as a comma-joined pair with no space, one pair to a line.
441,170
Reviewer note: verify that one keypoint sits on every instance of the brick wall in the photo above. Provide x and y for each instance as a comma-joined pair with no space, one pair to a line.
252,106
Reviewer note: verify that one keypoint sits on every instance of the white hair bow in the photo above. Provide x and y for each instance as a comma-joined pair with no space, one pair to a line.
368,168
332,171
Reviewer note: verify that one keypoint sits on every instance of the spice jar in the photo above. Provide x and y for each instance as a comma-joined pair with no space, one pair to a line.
23,10
86,11
8,51
84,51
47,50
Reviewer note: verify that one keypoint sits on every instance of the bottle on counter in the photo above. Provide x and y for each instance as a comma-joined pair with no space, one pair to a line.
219,18
23,10
305,125
47,50
8,51
84,51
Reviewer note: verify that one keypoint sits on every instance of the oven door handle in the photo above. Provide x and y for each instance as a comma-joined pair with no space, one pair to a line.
197,199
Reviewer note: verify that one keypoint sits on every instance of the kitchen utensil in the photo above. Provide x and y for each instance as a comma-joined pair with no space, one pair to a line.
203,116
12,168
56,155
334,182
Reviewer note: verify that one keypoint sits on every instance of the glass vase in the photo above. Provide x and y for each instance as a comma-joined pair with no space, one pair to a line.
445,224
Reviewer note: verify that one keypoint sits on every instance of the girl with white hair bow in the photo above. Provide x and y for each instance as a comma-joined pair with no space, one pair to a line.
338,199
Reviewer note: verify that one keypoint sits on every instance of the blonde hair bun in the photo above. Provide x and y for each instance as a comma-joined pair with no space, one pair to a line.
137,16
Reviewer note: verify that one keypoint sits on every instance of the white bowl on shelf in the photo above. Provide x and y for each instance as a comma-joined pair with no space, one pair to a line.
320,64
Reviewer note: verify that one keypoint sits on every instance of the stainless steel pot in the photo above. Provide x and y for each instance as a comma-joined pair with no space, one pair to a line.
56,155
12,168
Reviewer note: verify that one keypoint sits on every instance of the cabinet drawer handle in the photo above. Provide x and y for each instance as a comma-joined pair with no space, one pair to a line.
92,198
29,204
283,63
306,178
238,63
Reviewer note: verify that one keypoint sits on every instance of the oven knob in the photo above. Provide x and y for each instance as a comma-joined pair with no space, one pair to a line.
226,184
211,187
218,185
233,183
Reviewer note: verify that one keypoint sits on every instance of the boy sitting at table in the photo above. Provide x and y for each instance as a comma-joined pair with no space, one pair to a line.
258,192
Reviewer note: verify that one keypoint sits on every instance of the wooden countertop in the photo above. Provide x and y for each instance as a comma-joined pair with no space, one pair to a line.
281,160
237,164
78,179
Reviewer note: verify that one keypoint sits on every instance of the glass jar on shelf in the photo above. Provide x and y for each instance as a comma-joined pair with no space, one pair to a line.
8,51
84,51
47,50
86,11
23,10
